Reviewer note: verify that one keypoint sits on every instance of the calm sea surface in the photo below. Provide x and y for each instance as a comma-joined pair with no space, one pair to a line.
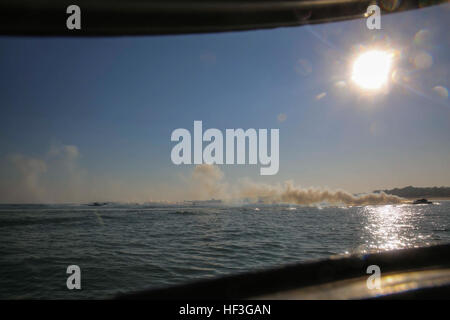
122,248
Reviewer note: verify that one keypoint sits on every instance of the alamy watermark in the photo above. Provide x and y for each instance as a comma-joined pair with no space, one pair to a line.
74,280
374,281
74,20
373,15
235,140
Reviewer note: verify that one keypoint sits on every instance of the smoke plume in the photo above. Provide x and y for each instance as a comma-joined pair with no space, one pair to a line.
289,193
207,182
210,182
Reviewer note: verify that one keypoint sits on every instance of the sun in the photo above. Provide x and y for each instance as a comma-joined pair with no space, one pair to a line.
371,69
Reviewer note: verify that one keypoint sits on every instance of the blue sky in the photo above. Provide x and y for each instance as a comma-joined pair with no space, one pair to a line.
117,100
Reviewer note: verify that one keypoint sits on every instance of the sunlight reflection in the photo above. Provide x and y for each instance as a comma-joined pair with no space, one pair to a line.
391,227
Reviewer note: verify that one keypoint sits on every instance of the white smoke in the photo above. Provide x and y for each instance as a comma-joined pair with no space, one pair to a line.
207,182
57,177
54,177
212,184
289,193
26,176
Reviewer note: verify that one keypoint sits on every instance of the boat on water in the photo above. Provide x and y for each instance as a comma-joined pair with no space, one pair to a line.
97,204
212,202
422,201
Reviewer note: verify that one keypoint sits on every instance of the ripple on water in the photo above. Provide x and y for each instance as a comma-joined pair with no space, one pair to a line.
137,248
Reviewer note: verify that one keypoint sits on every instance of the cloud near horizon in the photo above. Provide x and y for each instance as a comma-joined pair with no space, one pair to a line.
54,177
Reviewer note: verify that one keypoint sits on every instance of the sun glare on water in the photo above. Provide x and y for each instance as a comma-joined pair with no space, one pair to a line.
371,69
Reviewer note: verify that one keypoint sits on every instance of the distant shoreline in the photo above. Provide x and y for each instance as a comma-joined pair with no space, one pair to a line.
410,192
429,198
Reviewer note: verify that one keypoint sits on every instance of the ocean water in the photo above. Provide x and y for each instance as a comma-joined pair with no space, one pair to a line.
122,248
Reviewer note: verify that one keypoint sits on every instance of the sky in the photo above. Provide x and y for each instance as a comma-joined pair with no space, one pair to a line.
87,119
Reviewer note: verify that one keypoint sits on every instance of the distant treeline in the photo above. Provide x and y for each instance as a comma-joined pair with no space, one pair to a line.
413,192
